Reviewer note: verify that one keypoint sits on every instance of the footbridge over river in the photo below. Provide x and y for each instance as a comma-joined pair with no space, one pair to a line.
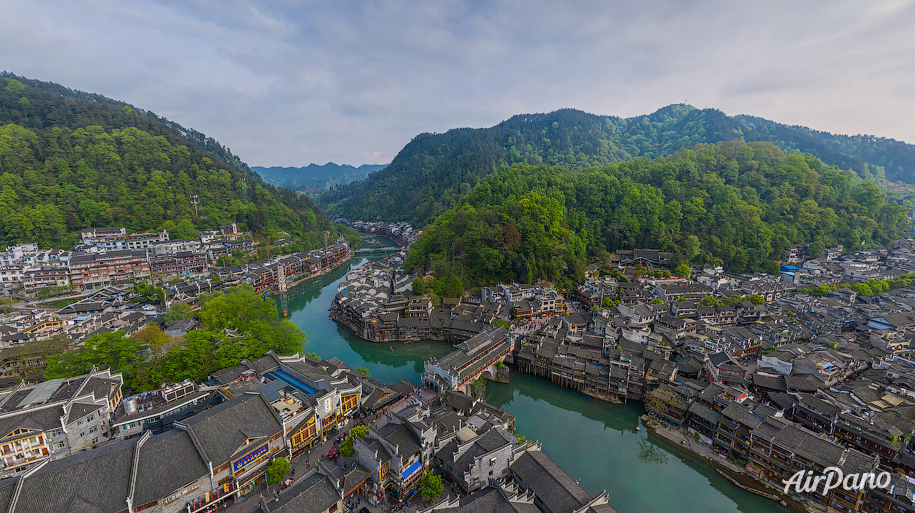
386,249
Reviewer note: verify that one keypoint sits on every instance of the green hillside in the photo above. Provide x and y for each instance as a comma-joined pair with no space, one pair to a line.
433,171
70,160
870,156
731,204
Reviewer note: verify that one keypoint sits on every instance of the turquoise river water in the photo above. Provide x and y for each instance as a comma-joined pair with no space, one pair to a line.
590,439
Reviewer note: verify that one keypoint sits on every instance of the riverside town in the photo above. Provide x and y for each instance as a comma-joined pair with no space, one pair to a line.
653,308
769,382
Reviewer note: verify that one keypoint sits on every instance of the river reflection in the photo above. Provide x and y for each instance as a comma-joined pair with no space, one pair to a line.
590,439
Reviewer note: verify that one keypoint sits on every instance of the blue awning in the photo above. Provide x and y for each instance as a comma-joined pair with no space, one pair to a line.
411,469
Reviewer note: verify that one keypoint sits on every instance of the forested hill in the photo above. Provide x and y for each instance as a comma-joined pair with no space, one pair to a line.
434,170
314,176
732,204
870,156
70,160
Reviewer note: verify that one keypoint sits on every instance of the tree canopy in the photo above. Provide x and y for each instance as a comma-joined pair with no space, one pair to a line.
235,324
434,171
731,204
431,486
346,447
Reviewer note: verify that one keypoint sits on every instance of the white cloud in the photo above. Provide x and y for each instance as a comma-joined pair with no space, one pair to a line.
289,83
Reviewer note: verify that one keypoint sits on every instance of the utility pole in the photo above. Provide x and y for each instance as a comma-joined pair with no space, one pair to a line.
194,201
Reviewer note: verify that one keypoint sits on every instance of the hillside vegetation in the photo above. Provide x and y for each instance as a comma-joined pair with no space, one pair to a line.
731,204
870,156
433,171
70,160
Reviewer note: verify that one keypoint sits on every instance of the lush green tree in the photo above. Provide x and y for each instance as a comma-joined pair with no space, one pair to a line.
111,350
152,337
14,86
179,311
683,270
6,304
346,447
452,287
65,364
418,286
149,294
731,300
430,487
185,230
278,470
755,299
709,301
313,356
364,371
240,309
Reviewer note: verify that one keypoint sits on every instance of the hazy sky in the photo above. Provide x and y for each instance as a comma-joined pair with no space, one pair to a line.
290,83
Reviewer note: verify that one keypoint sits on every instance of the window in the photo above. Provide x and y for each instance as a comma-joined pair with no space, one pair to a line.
59,445
95,441
93,429
90,418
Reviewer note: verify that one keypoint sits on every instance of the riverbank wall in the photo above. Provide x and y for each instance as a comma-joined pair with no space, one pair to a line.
734,473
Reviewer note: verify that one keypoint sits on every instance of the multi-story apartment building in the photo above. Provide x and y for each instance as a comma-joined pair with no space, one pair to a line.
110,239
182,262
89,270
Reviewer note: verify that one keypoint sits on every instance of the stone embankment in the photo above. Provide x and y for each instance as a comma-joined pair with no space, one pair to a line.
734,473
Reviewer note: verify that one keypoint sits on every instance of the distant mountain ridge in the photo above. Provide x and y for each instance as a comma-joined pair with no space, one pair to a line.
433,171
896,158
315,176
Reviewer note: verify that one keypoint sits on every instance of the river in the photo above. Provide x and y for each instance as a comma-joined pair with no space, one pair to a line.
590,439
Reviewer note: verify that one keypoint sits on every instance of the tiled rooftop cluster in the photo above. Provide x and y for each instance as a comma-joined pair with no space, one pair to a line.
795,383
274,406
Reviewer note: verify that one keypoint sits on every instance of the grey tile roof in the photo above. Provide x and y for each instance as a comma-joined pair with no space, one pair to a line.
264,364
401,436
486,443
313,493
7,489
355,478
490,500
41,419
558,491
80,410
222,430
167,462
96,480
